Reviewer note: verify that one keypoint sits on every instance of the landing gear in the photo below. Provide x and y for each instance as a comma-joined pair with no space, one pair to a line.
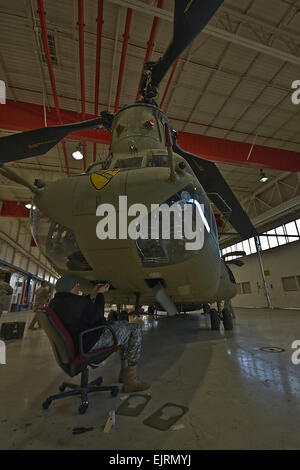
214,319
227,319
218,315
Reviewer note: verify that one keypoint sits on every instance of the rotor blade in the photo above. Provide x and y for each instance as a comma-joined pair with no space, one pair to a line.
212,181
190,17
39,141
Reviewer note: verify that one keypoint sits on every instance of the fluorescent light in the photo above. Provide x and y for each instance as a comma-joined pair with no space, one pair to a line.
29,206
77,155
263,178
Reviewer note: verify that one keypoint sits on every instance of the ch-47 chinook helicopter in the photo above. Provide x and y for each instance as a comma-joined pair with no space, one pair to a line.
146,164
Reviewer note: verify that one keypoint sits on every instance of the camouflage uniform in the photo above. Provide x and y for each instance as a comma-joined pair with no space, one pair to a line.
41,298
5,290
129,335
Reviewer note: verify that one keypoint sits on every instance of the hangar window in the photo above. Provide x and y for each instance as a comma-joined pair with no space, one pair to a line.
287,233
289,283
239,288
244,288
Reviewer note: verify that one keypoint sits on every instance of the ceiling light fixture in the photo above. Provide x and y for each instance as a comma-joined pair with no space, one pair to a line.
77,154
263,178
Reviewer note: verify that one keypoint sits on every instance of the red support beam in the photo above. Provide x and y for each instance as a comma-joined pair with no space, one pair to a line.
81,55
151,41
169,83
19,116
98,61
84,156
98,54
123,57
42,15
14,209
229,151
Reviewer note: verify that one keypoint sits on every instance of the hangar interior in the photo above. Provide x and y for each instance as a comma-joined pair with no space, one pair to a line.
230,98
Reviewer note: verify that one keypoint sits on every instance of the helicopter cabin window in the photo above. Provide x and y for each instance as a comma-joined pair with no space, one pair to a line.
129,163
157,160
162,251
57,243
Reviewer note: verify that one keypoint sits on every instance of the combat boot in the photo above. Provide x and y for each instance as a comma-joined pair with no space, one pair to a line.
124,365
130,381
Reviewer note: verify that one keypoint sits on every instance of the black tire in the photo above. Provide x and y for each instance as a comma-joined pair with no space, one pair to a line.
46,404
214,319
227,319
115,392
206,309
83,407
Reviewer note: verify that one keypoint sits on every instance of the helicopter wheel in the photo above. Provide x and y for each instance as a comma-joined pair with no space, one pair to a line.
214,319
227,319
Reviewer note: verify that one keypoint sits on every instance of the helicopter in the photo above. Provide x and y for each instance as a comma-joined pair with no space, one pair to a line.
145,165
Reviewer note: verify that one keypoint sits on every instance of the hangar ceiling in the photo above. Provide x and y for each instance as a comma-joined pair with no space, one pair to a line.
233,83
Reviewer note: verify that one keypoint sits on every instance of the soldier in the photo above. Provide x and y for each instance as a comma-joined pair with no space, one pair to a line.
5,290
41,299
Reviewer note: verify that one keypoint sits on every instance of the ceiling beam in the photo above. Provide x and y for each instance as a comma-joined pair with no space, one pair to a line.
21,116
213,31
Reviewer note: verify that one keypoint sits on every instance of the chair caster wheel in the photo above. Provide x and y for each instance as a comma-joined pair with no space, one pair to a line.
83,407
114,393
46,404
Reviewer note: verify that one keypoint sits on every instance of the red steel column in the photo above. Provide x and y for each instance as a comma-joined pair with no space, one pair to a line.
123,57
42,14
98,58
81,55
169,83
151,41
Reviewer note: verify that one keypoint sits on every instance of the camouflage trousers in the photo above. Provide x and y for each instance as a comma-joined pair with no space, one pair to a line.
129,336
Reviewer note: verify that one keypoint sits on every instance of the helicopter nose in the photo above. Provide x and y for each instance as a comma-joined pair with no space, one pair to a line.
151,185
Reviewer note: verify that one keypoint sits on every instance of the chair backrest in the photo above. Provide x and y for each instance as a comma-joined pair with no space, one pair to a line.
60,340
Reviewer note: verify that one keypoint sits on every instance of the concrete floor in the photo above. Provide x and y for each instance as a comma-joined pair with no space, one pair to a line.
238,396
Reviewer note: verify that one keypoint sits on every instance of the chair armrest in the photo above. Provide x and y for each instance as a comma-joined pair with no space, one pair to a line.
100,327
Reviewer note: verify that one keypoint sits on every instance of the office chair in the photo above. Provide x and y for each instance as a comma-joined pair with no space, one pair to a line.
72,363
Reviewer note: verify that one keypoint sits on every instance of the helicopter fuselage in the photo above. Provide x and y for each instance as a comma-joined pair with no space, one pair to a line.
66,219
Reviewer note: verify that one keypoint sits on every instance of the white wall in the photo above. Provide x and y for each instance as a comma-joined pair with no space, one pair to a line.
282,261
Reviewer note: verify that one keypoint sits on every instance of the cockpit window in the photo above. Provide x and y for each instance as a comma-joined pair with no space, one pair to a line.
57,243
157,160
132,162
158,249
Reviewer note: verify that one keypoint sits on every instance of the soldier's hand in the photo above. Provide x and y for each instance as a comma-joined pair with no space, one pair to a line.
103,288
